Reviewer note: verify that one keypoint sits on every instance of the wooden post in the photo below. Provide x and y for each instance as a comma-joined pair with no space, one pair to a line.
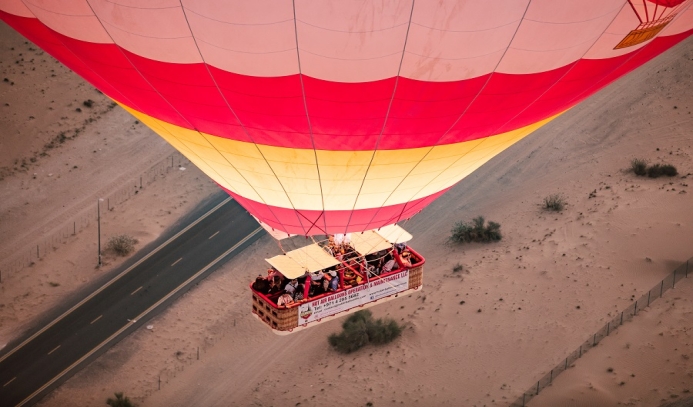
580,350
537,388
636,306
661,289
551,377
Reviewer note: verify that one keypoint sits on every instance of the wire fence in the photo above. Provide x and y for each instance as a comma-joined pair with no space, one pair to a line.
629,313
41,248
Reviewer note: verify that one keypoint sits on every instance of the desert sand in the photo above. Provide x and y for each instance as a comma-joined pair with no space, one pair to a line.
646,362
51,183
479,337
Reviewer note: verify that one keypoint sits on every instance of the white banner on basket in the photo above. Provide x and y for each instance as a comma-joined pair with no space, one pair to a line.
353,297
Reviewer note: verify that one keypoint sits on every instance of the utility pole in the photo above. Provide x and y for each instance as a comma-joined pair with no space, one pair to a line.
98,221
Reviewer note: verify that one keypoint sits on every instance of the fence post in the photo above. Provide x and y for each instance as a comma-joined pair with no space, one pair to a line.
687,268
673,284
636,304
580,351
648,297
661,289
551,377
566,364
537,388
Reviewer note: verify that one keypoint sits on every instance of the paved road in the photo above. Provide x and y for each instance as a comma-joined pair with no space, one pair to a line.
147,284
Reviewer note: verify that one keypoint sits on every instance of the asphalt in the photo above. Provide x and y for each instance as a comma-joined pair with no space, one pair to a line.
95,321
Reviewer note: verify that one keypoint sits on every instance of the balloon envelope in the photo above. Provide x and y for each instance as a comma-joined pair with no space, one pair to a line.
338,116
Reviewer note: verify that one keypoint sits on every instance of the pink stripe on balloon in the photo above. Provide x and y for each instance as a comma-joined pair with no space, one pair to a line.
305,222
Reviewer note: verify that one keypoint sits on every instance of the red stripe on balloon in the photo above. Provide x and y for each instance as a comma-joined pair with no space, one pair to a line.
341,116
304,222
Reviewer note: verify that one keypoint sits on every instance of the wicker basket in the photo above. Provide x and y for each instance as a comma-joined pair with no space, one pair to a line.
416,277
281,319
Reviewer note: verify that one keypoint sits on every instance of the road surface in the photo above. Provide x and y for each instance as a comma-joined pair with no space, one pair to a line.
33,366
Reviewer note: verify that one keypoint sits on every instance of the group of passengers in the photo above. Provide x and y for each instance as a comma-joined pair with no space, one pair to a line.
297,289
287,292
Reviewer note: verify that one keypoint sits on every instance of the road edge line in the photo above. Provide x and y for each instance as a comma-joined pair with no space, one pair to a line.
137,318
116,278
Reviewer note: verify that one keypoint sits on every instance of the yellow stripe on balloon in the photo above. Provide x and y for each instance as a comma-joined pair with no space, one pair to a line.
289,177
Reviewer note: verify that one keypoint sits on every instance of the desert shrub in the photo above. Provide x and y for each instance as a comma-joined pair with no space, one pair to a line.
122,245
654,171
360,329
638,166
457,268
658,170
554,202
476,231
88,103
120,401
669,170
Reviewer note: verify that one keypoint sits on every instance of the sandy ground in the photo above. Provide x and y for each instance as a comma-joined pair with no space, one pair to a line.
44,189
479,337
646,362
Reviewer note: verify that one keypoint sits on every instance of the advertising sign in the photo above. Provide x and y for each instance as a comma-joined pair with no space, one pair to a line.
376,289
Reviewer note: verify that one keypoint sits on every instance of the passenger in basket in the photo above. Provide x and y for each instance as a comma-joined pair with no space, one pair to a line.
261,285
390,265
291,287
316,283
272,272
333,285
275,285
285,299
406,258
298,294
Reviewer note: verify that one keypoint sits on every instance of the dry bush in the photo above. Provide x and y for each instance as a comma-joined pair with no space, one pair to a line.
638,166
121,245
554,202
476,231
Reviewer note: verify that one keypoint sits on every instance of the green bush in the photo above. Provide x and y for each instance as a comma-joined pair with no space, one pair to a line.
476,231
638,166
554,202
360,329
120,401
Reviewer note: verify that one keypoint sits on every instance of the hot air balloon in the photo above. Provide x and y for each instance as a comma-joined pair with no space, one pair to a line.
337,116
